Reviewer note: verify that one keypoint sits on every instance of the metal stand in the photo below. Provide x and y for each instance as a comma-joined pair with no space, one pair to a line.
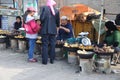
103,64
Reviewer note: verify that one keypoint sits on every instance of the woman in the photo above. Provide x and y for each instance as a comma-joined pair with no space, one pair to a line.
32,29
18,23
112,33
112,37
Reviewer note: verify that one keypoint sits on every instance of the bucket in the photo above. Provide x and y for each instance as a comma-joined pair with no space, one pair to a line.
72,58
14,44
21,45
2,46
87,66
59,53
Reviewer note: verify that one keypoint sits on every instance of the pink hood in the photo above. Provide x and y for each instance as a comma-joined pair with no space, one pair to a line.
51,4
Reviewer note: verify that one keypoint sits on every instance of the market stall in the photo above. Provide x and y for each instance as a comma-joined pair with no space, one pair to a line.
81,17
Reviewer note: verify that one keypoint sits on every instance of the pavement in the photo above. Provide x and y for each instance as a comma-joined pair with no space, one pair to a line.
14,66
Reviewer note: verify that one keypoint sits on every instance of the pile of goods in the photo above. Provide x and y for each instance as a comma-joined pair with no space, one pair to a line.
89,47
71,42
104,49
4,32
1,36
39,40
82,52
71,45
19,37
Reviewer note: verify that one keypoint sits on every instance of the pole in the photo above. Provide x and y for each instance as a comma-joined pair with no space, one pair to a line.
100,23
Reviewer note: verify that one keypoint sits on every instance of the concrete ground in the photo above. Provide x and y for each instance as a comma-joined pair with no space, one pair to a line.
14,66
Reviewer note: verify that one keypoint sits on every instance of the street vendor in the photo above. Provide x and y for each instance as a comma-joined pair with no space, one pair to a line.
112,37
65,30
18,23
112,34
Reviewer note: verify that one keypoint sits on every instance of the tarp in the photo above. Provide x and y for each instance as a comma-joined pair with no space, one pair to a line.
70,11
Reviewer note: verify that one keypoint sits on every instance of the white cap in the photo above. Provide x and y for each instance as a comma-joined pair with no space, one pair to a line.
64,17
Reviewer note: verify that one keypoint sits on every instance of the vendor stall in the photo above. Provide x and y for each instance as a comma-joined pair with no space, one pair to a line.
81,17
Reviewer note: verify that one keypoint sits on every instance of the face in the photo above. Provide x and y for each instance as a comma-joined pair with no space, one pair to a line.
32,13
106,29
64,22
38,22
18,20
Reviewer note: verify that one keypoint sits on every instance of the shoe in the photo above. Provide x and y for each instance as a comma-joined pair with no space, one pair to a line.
32,60
52,61
44,63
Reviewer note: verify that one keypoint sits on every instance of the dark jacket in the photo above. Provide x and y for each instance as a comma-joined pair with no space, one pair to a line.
49,22
62,35
17,25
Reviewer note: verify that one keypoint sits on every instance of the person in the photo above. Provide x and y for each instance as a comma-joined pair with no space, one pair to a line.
49,17
32,29
117,20
112,37
65,30
112,34
18,23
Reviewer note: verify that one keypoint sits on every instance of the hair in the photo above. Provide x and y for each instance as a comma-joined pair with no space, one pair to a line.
111,27
25,15
18,17
117,20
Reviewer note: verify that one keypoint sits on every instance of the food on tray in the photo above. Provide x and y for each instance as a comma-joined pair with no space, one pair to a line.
74,45
81,52
2,36
38,41
4,32
39,37
19,36
81,46
66,44
104,49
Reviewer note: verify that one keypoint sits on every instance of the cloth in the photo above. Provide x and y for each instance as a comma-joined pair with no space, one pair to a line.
31,48
17,25
114,37
62,35
49,22
51,4
31,36
96,26
48,39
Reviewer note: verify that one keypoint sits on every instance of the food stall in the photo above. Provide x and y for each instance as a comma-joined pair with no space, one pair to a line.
85,19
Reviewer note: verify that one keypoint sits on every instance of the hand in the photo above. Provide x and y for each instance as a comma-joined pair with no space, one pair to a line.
61,27
58,42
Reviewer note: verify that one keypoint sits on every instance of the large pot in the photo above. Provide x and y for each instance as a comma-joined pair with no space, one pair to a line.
88,55
2,39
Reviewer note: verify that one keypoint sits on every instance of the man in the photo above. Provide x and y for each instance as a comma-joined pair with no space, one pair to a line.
49,18
65,30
